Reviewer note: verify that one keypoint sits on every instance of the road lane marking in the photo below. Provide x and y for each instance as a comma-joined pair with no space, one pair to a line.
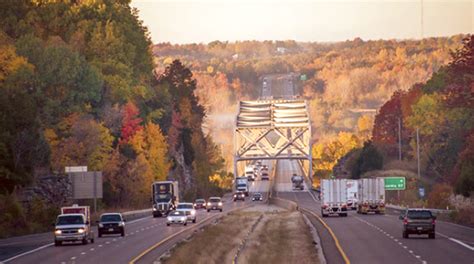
336,241
83,253
28,252
462,243
73,258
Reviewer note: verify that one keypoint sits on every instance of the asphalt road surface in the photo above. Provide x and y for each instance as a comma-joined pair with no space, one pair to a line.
378,238
140,235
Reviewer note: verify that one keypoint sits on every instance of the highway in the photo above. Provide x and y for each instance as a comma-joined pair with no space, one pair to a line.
378,238
140,235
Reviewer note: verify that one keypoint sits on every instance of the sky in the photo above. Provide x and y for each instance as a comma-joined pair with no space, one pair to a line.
203,21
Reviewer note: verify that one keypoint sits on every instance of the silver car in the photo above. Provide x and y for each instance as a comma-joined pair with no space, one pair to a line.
214,203
188,209
177,217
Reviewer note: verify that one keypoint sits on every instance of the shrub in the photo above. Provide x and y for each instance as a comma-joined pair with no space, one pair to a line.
439,196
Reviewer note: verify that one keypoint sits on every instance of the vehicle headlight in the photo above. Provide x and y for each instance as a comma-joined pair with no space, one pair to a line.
101,225
193,212
220,203
209,204
57,232
183,218
80,230
121,224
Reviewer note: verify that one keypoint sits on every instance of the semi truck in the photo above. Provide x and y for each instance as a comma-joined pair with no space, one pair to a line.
333,197
371,196
242,185
352,197
73,225
297,182
165,197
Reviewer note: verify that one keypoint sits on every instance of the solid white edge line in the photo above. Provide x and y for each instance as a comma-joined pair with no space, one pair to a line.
28,252
462,243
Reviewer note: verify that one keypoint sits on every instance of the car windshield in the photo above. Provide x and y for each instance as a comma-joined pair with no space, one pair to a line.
111,218
419,214
256,195
200,201
185,206
70,220
177,213
215,200
162,198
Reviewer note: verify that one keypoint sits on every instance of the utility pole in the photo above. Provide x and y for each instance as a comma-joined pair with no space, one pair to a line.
399,139
418,150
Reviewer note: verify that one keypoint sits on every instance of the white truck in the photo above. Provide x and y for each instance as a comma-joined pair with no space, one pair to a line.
334,197
352,197
371,196
73,225
242,185
250,172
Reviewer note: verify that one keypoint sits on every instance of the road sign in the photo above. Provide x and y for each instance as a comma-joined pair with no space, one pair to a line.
421,191
75,169
395,183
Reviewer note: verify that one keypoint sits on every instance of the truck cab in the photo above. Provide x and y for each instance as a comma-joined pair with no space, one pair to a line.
73,225
242,185
297,181
164,197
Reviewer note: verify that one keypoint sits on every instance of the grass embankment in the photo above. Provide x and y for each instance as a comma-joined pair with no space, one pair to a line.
280,237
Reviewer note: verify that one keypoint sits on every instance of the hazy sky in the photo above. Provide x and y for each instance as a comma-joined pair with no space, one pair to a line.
193,21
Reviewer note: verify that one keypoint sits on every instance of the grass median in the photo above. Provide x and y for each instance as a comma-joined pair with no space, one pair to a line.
280,237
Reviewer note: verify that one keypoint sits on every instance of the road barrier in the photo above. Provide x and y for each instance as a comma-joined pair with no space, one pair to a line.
132,215
402,208
288,205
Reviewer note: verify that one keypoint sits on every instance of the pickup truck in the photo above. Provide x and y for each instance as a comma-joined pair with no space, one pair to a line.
73,225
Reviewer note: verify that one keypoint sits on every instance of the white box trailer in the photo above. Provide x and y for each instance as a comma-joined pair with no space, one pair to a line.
352,194
334,197
371,196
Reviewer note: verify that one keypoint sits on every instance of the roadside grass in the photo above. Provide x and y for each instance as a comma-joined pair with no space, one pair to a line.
280,238
217,243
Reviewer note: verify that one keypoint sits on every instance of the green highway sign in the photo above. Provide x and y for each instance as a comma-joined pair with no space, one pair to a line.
395,183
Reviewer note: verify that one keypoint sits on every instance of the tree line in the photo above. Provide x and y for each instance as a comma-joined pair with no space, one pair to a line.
78,87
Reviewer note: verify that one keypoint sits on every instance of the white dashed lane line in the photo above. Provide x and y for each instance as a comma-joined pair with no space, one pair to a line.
418,257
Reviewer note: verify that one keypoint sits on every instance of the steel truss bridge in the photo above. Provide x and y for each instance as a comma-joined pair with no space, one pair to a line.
272,130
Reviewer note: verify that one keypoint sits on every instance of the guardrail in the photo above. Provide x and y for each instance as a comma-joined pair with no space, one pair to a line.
288,205
131,215
401,208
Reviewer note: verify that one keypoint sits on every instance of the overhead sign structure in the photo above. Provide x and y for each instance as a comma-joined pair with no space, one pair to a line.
395,183
75,169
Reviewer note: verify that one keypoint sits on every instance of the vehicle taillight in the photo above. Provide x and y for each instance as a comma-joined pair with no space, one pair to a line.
405,221
344,205
434,222
325,206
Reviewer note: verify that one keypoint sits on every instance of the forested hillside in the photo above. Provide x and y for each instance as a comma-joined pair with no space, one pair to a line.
345,82
77,87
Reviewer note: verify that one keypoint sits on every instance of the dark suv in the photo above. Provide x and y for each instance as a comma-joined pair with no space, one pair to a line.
418,221
111,223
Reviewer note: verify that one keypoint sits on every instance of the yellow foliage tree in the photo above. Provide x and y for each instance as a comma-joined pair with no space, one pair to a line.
151,144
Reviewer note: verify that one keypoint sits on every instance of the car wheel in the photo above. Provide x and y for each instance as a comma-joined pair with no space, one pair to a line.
208,210
167,224
99,234
84,241
194,220
122,233
92,241
220,210
431,235
57,243
405,234
185,223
